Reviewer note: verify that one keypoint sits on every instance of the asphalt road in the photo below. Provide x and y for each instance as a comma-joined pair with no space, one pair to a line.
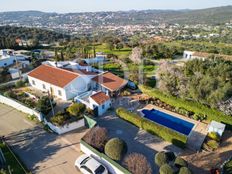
40,151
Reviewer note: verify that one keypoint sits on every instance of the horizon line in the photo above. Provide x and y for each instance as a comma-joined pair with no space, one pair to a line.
183,9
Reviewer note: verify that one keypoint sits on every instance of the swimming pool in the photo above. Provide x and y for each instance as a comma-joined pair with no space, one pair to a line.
169,121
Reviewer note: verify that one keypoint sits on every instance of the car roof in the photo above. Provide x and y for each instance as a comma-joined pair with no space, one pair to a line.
92,164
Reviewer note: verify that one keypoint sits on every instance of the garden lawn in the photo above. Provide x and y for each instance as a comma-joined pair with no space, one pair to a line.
11,161
123,53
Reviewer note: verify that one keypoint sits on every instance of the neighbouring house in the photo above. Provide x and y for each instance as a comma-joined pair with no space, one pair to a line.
59,82
99,102
108,83
8,58
203,55
15,73
217,127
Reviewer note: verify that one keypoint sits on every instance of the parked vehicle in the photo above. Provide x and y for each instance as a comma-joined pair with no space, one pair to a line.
88,165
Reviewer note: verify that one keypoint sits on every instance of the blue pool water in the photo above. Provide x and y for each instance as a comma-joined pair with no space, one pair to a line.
169,121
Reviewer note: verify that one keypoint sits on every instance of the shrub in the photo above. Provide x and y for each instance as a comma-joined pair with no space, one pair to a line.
197,108
214,136
179,162
166,169
137,164
213,144
156,129
115,148
76,109
128,116
10,94
97,138
160,158
58,119
19,84
43,105
184,170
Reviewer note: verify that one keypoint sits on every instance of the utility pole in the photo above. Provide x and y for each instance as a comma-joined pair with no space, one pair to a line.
53,112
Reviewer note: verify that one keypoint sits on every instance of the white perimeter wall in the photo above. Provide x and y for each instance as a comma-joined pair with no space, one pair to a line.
20,107
67,127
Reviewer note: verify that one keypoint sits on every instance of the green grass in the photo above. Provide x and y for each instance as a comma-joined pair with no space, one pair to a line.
123,53
11,161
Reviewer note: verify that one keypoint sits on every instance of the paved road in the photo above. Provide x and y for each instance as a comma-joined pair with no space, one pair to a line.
41,152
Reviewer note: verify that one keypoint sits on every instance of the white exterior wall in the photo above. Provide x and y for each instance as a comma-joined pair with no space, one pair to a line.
188,54
39,85
6,61
67,127
101,109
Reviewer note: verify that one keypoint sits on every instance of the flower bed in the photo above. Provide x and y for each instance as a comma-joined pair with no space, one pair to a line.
190,106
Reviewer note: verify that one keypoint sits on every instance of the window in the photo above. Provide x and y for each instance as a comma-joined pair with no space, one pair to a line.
33,82
103,106
59,93
44,87
87,169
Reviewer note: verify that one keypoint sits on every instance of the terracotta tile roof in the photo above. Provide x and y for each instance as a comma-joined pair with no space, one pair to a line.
110,81
55,76
81,72
100,97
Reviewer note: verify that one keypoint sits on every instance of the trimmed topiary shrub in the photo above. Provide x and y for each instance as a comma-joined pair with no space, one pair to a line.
97,138
166,169
179,162
115,148
214,136
137,164
76,109
160,158
184,170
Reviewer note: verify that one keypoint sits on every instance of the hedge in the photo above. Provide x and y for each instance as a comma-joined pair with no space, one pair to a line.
197,108
167,134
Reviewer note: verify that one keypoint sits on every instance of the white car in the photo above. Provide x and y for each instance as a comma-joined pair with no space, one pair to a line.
88,165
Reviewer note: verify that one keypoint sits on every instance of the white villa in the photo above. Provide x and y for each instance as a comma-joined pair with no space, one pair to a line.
7,58
77,81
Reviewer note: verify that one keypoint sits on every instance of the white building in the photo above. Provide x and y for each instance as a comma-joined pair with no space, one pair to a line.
99,102
217,127
188,54
8,58
61,83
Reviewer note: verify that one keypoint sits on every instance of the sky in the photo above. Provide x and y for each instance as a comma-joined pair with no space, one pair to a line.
65,6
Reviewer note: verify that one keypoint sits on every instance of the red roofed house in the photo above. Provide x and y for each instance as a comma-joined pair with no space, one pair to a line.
109,83
61,83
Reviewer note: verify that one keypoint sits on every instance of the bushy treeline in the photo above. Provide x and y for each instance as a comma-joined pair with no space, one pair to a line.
206,81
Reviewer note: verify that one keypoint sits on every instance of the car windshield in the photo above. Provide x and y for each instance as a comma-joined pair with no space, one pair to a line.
85,160
100,170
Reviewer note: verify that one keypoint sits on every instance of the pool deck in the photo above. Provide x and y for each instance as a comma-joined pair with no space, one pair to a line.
198,133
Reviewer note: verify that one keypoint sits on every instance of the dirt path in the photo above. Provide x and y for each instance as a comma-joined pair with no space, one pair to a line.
202,162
